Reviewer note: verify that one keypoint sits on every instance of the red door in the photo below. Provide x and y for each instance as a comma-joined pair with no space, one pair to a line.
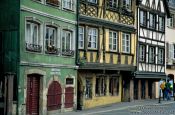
32,105
69,97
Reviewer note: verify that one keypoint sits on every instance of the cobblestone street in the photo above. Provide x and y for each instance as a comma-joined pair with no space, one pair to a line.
138,107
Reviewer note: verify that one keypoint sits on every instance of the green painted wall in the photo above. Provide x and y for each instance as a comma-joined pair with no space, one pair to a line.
42,58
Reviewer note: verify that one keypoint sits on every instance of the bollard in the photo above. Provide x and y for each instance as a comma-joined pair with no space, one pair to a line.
159,96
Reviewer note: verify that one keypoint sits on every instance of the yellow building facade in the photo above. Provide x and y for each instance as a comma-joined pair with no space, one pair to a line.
106,52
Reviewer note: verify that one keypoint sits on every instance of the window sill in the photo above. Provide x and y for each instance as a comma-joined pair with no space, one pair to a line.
92,49
68,10
125,53
52,5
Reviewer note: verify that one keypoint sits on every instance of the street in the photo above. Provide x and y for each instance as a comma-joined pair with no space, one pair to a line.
168,109
142,107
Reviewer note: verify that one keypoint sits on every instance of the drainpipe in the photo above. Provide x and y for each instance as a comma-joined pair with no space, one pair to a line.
77,32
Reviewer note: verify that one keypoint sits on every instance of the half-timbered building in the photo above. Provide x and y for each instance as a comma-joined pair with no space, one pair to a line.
106,51
151,16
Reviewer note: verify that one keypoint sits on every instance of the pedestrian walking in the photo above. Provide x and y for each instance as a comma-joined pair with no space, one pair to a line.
168,90
163,88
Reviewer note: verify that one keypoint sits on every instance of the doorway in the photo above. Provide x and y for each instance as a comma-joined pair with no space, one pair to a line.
33,89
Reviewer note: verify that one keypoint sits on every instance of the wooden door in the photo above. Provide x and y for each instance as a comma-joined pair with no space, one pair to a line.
32,105
69,97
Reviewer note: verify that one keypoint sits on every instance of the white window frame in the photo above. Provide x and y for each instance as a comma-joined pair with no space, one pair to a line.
143,18
93,1
142,54
49,40
160,56
112,41
126,43
65,32
151,54
68,4
152,21
29,38
81,38
127,4
170,21
92,37
161,23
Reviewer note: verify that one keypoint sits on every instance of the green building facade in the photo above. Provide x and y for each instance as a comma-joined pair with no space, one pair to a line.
44,50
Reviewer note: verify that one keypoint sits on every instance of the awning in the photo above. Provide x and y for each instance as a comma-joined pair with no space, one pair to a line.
150,75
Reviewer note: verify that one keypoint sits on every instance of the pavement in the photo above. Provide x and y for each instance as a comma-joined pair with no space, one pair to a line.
136,107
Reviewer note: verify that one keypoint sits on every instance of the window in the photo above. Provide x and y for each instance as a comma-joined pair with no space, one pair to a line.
143,18
113,40
152,21
151,55
67,43
50,40
112,3
127,4
126,40
171,51
142,56
69,81
161,24
114,86
160,56
100,88
33,37
54,96
92,1
88,90
92,38
170,21
53,2
81,37
68,4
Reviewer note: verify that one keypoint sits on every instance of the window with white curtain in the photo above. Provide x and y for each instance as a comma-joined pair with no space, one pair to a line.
113,40
152,21
126,43
68,4
92,38
143,18
161,24
170,21
81,38
160,56
92,1
142,53
151,55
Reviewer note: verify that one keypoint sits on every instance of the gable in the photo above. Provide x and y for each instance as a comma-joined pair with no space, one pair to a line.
157,5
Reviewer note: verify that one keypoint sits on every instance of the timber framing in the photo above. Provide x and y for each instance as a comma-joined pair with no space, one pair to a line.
106,24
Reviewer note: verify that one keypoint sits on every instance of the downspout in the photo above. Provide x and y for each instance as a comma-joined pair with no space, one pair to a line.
77,32
18,60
